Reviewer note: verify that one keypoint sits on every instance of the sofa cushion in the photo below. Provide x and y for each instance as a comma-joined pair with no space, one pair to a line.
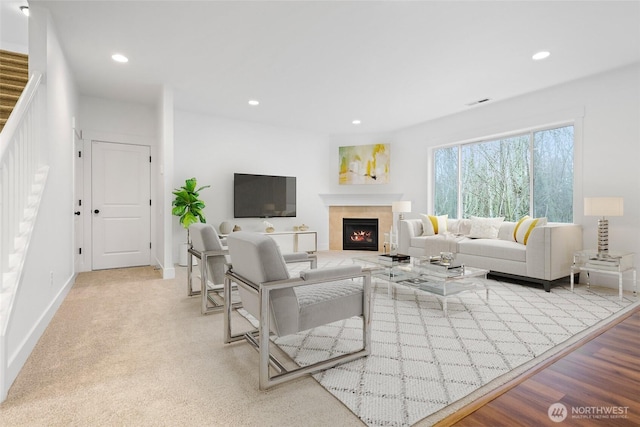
524,227
433,245
432,224
485,228
493,248
506,231
459,226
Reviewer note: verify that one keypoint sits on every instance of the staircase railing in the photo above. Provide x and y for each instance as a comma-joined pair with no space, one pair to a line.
22,172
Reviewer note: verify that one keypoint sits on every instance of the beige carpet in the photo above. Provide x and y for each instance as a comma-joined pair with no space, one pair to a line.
14,74
127,348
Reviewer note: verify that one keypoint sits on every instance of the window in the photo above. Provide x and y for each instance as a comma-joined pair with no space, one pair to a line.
527,174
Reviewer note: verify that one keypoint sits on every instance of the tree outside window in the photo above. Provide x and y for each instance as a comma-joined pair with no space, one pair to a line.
528,174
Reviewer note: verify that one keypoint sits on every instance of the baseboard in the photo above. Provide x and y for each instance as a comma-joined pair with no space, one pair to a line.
167,272
18,358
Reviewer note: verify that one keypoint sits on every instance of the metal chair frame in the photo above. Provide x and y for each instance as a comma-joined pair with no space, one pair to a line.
260,335
208,303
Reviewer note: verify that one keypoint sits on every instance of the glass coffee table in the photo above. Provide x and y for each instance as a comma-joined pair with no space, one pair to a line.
421,274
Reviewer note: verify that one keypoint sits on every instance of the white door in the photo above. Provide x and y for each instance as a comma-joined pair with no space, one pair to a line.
120,209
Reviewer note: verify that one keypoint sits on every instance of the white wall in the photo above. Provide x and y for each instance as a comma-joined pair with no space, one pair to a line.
211,149
117,117
163,171
14,27
606,109
48,270
120,122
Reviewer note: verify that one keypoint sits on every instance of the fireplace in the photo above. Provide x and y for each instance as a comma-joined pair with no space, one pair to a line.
360,234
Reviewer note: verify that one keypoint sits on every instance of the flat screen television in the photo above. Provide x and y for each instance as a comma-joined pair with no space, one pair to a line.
263,196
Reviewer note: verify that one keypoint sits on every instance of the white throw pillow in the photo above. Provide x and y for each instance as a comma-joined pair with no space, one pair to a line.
432,225
485,228
525,226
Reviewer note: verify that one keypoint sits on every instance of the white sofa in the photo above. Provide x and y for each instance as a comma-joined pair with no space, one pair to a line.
546,257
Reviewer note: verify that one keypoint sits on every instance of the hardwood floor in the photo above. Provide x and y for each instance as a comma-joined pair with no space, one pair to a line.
600,377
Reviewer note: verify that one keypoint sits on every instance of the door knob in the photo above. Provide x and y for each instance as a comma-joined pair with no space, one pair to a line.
77,213
97,211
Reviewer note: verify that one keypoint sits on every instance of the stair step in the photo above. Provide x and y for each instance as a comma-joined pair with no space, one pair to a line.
11,71
9,88
14,55
14,62
9,99
14,75
5,111
14,80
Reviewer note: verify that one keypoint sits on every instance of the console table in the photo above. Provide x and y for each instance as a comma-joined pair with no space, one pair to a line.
302,241
614,263
298,241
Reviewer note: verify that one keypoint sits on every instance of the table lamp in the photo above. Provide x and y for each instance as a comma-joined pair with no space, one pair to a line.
399,207
603,207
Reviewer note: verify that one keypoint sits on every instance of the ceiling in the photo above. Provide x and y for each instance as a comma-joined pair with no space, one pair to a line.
318,65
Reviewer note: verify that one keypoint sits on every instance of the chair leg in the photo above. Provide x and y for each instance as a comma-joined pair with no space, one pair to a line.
189,273
366,314
263,343
266,381
204,294
227,308
227,311
264,339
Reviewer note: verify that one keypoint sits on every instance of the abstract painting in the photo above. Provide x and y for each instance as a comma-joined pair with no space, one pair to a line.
364,164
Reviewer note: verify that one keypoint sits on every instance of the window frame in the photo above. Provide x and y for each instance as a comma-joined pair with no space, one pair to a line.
530,131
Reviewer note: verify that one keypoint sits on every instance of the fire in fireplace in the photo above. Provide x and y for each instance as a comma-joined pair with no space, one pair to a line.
360,234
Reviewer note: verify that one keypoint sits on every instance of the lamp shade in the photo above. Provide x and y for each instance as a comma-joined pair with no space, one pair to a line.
401,206
603,206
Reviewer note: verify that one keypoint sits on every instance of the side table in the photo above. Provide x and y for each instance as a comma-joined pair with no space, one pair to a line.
613,263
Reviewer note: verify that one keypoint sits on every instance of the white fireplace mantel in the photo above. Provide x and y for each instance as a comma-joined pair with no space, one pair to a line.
345,199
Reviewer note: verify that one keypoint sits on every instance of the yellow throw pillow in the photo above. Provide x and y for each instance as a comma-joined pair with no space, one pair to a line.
432,225
524,227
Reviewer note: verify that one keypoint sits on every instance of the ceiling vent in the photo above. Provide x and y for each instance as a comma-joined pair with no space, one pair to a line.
481,101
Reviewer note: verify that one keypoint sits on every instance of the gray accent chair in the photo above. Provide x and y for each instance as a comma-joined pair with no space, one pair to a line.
211,250
285,305
207,246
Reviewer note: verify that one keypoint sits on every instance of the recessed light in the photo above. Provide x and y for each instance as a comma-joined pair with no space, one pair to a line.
25,10
119,58
356,122
540,55
254,102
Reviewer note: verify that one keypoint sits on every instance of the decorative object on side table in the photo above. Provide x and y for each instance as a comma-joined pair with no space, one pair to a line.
188,206
225,227
603,207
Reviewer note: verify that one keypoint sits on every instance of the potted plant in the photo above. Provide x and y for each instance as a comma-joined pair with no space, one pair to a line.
189,208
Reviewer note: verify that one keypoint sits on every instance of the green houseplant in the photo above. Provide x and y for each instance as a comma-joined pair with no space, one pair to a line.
187,204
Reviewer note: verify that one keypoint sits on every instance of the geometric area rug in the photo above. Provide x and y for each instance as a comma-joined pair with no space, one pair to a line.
424,363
